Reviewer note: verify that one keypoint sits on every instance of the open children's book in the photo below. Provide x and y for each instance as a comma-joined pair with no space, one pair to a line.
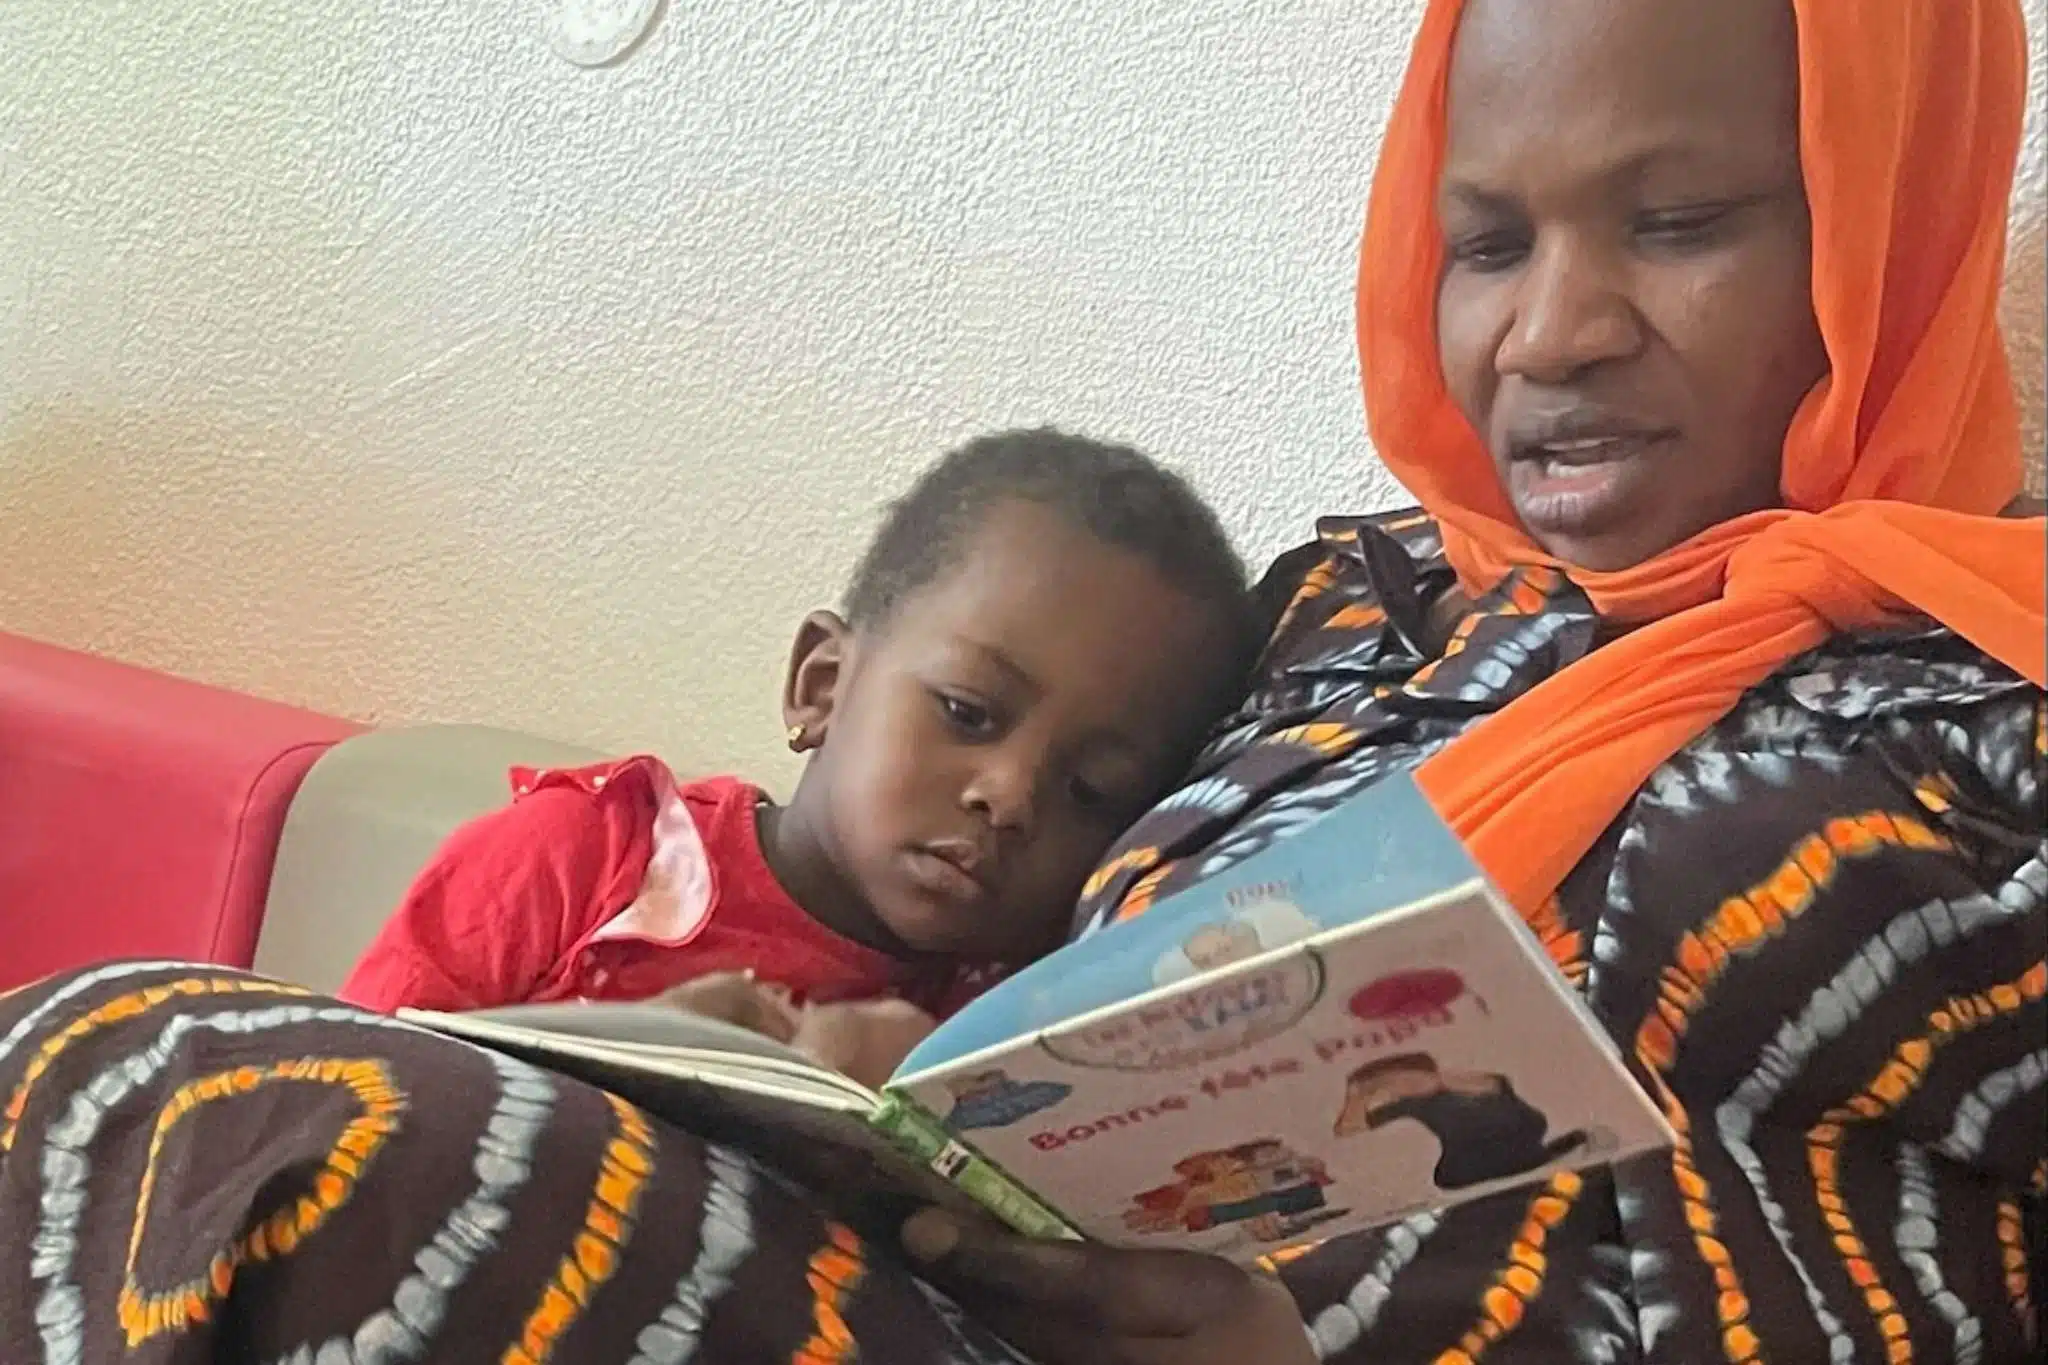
1346,1028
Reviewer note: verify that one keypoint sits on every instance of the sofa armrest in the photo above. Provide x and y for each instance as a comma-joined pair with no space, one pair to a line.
366,819
139,813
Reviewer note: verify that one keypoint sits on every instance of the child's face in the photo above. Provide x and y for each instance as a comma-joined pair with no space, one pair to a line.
982,748
1219,945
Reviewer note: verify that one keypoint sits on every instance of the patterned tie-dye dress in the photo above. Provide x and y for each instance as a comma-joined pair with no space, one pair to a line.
1818,931
203,1166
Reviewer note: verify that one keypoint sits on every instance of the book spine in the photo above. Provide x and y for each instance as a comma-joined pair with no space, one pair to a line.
925,1140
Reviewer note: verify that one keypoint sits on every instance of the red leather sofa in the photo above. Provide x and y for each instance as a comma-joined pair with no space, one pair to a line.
139,813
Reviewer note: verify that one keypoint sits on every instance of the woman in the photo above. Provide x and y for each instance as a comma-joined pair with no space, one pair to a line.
1699,382
1702,426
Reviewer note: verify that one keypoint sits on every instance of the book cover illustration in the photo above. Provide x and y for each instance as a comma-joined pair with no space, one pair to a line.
1337,1083
991,1099
1380,851
1346,1028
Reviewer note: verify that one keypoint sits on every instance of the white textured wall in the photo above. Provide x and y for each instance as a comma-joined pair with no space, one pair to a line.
367,355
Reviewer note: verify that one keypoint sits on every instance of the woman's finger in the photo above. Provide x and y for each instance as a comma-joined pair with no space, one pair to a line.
1129,1293
1050,1338
978,1255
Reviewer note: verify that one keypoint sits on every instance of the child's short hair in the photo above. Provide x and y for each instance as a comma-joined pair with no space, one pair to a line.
1113,492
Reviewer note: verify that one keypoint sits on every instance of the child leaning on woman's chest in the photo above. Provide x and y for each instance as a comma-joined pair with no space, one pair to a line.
1032,648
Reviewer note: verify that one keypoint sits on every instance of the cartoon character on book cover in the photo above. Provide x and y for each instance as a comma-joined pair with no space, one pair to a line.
1271,1190
991,1099
1264,919
1484,1130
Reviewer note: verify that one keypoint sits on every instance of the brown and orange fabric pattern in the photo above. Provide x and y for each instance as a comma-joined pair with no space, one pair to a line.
1817,931
200,1166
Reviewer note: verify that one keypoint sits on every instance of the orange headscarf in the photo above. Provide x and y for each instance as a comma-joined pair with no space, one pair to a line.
1894,467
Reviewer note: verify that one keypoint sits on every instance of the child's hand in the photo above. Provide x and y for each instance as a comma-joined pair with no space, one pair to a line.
864,1039
1073,1303
737,998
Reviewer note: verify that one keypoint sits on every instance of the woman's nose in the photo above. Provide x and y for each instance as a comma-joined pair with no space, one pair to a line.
1572,312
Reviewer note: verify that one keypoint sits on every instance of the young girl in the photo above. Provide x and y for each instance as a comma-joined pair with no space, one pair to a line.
1033,645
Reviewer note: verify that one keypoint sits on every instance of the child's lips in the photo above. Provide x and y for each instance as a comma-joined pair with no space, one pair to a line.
949,872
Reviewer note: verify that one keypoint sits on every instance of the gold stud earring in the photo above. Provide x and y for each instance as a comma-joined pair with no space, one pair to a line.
799,738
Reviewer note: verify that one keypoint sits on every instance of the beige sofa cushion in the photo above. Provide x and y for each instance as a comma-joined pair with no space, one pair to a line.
370,813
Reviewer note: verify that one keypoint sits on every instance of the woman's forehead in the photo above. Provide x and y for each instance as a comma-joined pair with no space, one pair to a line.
1617,80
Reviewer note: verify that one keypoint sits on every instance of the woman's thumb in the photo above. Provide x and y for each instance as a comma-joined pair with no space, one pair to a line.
981,1254
930,1236
1139,1293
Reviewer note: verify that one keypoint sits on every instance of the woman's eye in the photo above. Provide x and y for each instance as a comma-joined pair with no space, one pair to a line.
1489,251
1682,227
967,716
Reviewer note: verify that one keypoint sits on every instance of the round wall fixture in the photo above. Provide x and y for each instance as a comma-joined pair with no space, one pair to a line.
598,32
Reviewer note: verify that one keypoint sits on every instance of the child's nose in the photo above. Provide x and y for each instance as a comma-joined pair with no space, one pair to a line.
1004,790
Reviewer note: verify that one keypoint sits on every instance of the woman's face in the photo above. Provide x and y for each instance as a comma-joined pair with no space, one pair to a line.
1625,315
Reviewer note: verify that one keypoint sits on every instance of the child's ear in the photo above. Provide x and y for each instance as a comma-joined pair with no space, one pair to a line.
817,662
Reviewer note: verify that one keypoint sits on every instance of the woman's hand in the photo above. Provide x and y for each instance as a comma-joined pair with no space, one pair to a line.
1070,1303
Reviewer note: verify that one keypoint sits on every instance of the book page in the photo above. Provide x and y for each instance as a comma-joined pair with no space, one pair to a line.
808,1123
1422,1058
650,1025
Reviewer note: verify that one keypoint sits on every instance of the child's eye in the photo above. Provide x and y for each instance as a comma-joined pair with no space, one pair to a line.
969,717
1088,796
1112,801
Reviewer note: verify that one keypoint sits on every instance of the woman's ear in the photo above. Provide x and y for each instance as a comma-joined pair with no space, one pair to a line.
817,662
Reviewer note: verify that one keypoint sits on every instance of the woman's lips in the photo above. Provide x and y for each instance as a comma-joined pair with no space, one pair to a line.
1581,486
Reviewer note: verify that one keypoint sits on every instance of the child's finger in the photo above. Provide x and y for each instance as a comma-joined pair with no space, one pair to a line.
865,1039
736,998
